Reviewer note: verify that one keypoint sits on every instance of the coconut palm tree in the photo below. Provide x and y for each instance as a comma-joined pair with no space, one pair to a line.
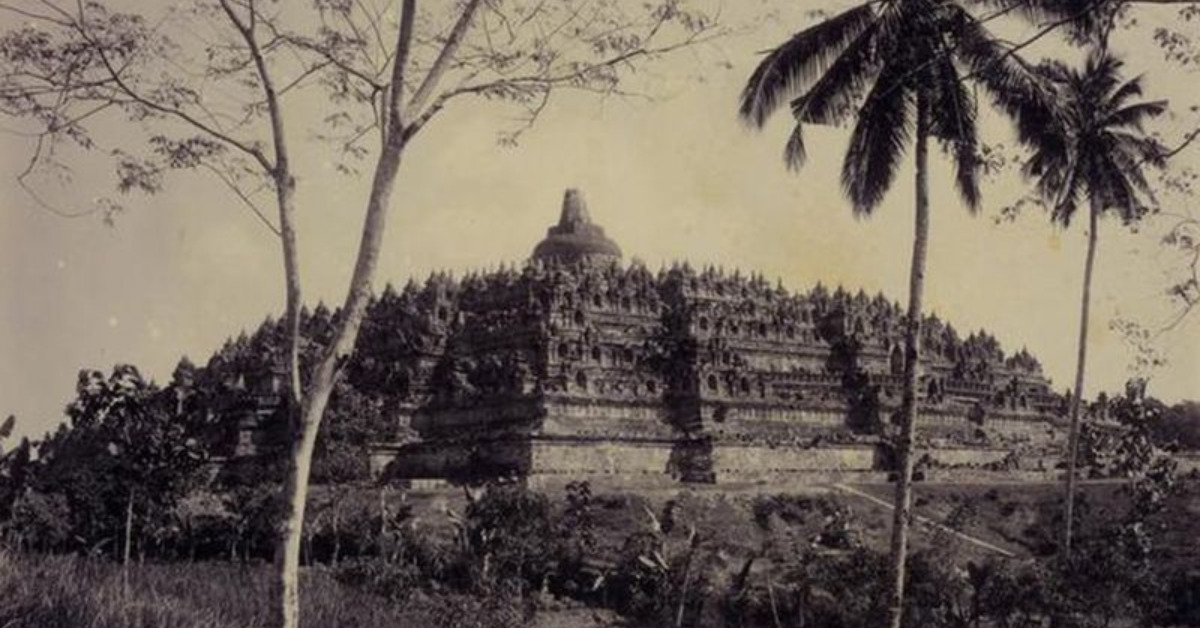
1096,149
899,70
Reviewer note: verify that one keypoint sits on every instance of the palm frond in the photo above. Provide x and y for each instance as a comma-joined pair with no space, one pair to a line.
1024,93
1082,20
794,153
1142,149
1101,73
1130,89
831,98
1126,165
792,66
878,141
1096,142
1063,189
1130,153
1054,70
1134,116
1051,151
1120,195
952,120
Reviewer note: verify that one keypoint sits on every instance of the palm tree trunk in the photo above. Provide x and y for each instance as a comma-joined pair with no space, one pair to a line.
1080,366
912,344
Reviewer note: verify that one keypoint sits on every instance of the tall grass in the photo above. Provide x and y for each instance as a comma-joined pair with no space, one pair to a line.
71,592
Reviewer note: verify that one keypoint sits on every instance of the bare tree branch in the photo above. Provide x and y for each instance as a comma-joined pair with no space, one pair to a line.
539,83
243,196
444,57
1188,138
392,116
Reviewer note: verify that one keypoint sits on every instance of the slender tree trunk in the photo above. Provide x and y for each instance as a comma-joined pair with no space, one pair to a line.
285,194
683,593
127,549
1080,367
337,543
316,398
774,608
289,588
383,513
288,605
912,344
324,377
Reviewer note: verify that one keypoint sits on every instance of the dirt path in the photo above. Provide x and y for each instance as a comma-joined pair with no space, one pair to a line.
927,521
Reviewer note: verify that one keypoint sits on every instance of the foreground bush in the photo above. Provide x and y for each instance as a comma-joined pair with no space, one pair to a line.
511,553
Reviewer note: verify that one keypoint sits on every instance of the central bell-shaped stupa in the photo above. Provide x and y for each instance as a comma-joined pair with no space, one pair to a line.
575,238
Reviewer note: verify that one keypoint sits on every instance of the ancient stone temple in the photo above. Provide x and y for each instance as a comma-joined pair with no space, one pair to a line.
581,364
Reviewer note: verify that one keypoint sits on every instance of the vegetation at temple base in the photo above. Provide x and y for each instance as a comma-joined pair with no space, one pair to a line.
503,555
509,556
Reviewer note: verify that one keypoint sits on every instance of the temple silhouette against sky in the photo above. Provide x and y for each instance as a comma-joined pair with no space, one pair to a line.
580,364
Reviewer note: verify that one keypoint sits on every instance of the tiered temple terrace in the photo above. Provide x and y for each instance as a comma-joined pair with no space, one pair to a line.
580,364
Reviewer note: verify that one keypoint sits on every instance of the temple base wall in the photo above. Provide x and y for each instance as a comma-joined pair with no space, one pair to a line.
582,457
566,436
671,460
748,460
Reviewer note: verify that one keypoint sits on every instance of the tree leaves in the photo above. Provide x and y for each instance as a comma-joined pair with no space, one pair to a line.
878,140
868,64
790,67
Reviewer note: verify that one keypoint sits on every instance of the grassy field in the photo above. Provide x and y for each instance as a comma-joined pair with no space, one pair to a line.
69,592
61,592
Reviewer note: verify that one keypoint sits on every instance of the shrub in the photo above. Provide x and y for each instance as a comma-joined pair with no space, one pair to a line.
394,580
791,509
509,537
500,609
1182,599
663,573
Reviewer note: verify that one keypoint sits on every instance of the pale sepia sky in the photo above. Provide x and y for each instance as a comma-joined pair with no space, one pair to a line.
677,178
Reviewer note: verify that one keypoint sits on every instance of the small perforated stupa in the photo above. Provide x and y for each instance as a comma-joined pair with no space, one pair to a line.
575,238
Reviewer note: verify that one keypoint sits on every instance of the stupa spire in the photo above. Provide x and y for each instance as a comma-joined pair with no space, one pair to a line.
574,210
576,238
